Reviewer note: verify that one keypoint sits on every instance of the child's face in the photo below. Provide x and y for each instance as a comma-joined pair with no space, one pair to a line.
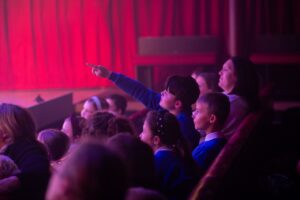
146,135
227,77
88,110
201,116
202,85
112,108
67,128
167,100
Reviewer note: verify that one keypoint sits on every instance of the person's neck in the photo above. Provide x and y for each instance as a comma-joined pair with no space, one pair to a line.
175,111
228,91
210,129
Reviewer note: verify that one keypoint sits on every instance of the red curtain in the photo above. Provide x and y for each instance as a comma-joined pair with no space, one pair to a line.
45,43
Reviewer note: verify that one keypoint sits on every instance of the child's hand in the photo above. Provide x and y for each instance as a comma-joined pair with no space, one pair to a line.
99,70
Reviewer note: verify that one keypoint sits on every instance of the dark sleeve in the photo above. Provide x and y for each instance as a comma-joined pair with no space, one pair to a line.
137,90
33,162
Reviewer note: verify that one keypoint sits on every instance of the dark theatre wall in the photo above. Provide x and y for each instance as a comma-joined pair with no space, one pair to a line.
160,57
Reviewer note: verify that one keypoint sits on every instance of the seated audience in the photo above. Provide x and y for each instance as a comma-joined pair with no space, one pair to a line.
179,95
138,158
207,82
73,127
57,145
92,105
122,125
239,81
91,172
99,126
210,115
117,104
176,176
17,140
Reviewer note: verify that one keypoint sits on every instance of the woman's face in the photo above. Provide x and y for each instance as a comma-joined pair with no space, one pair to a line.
228,77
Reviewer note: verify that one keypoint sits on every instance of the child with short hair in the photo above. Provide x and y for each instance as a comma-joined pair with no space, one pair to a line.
179,94
210,115
56,143
117,104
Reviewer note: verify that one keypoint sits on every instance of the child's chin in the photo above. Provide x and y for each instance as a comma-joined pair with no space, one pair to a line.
162,105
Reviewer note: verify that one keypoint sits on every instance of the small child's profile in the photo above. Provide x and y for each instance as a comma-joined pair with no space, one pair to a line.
7,167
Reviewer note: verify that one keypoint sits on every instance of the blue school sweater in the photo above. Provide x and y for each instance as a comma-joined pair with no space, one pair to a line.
175,177
151,100
206,152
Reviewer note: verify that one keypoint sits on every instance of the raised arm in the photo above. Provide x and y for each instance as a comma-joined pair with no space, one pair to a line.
132,87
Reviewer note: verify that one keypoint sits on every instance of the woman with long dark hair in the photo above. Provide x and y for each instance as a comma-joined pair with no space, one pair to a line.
239,81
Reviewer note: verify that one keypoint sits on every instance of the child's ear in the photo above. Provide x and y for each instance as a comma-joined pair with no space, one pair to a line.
156,140
212,119
178,104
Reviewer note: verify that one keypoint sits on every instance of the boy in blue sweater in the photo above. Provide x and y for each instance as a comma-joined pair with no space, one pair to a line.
210,115
180,93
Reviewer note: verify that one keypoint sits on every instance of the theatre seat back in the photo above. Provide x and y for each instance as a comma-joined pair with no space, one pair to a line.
212,181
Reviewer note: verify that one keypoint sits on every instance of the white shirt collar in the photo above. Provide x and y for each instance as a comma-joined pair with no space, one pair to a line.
212,136
163,148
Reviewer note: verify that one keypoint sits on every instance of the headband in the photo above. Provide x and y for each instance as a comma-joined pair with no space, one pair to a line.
96,100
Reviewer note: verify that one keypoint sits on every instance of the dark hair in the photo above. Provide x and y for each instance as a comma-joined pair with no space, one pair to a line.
185,89
120,102
93,172
211,80
16,122
138,158
78,123
166,126
122,125
56,142
247,85
99,125
218,104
